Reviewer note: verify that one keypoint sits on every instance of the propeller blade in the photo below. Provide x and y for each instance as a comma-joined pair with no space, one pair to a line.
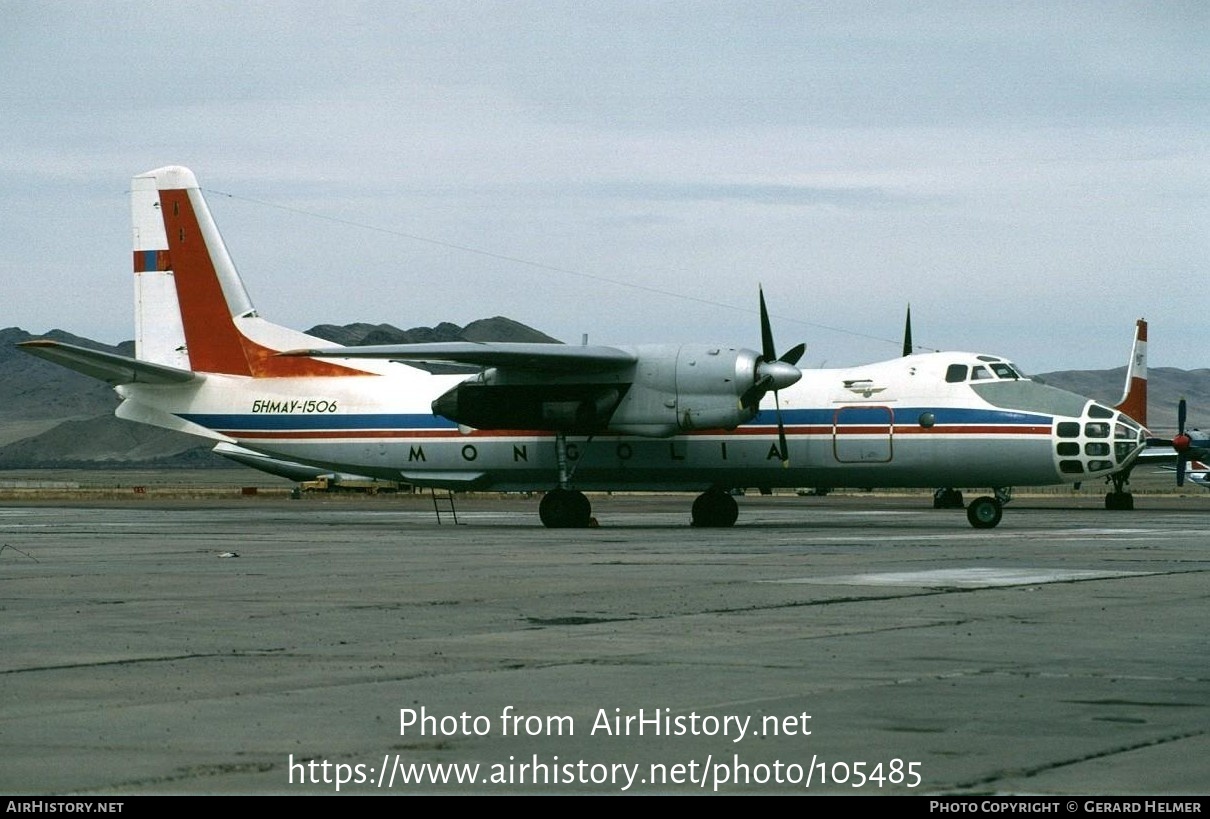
1181,442
773,373
782,447
753,394
768,351
792,355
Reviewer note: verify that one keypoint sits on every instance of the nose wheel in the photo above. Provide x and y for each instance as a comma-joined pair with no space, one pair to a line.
985,512
1119,499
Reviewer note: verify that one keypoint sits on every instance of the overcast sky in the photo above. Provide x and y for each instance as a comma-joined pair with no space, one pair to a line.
1031,177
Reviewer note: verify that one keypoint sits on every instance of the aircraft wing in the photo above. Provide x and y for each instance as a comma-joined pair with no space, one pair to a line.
1162,452
539,358
1158,450
109,367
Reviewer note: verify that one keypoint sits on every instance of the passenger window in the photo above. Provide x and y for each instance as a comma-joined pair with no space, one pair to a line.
956,373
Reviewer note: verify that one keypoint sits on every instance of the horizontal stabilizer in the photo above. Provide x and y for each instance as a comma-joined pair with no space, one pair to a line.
548,358
109,367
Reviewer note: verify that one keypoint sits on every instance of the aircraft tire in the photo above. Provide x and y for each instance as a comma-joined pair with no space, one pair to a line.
564,509
948,499
984,513
1119,501
715,509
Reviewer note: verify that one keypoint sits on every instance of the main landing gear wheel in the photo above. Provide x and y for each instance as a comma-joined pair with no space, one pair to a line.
985,512
1119,501
564,509
948,499
715,508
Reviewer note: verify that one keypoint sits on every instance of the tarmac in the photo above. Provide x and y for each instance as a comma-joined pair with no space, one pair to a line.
842,645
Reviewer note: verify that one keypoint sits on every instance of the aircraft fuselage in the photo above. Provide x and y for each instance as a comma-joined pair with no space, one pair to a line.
898,423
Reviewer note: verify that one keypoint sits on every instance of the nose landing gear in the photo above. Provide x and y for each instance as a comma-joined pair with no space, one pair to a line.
985,512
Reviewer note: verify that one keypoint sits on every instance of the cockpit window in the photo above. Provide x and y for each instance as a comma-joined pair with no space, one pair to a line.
1097,411
994,370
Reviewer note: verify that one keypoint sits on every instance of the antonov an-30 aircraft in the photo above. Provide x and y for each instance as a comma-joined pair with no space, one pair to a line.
705,418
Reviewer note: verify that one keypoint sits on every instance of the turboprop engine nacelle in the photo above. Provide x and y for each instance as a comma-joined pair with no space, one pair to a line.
665,391
678,389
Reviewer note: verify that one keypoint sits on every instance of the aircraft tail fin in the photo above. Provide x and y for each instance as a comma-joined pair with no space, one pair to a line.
191,309
1134,396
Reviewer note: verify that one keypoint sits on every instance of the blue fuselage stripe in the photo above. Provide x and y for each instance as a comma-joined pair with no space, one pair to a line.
336,422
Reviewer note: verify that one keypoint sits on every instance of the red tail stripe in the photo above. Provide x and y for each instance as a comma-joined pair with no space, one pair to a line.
215,344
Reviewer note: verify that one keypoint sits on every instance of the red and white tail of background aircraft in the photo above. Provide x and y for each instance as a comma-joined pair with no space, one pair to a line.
1133,405
1199,473
1188,448
1196,472
705,418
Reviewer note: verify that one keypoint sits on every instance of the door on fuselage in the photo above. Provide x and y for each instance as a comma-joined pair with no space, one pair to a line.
863,435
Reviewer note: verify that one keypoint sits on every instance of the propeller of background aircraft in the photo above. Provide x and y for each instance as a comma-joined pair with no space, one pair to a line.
773,374
1181,443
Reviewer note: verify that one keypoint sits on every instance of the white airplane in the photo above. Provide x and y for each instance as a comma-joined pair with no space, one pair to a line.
565,418
1196,472
1199,473
1189,448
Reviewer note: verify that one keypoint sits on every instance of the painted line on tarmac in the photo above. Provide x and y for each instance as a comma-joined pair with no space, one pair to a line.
971,578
